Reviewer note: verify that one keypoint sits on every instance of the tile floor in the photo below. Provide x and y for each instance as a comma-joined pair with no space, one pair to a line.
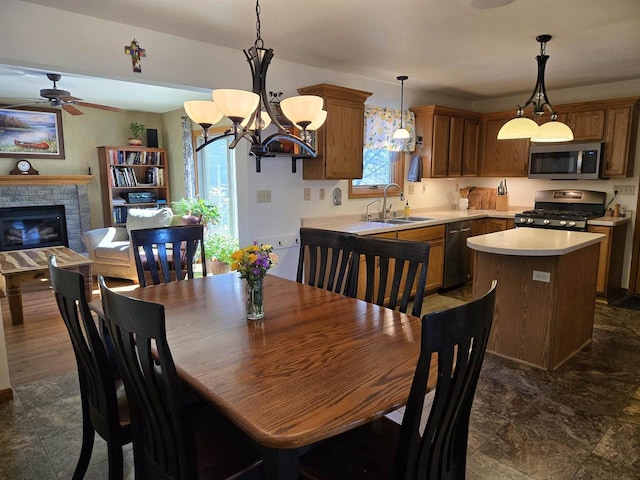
581,422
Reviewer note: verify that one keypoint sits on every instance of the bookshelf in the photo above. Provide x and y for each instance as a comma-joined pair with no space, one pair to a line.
128,175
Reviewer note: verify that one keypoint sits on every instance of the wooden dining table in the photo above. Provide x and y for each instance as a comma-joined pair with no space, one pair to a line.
317,365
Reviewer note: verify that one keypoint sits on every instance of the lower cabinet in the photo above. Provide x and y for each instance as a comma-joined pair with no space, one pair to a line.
434,236
610,262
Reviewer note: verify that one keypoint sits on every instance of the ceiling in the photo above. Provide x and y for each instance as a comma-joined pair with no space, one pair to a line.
449,47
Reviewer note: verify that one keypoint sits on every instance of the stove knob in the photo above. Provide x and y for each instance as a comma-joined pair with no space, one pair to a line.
572,223
563,223
546,221
523,220
529,220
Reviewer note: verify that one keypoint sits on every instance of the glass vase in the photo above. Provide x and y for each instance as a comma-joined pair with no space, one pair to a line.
255,297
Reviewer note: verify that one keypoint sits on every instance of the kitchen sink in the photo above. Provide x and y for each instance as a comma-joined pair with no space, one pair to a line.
402,220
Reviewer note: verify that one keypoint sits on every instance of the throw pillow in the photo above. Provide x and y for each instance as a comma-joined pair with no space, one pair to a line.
138,218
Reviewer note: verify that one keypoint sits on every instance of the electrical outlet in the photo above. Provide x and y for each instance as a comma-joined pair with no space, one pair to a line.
322,194
264,196
307,194
411,189
625,189
539,276
337,196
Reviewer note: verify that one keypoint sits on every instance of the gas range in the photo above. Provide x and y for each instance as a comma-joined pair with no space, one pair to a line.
563,209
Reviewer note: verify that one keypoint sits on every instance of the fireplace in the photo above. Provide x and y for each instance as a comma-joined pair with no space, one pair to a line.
32,227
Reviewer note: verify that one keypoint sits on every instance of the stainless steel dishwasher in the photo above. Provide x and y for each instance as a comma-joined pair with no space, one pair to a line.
457,257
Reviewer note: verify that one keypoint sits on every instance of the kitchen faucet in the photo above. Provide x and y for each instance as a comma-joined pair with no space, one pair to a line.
384,203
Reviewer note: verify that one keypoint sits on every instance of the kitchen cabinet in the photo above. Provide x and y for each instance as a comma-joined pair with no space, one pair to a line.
610,261
620,136
502,158
434,236
340,141
450,141
587,125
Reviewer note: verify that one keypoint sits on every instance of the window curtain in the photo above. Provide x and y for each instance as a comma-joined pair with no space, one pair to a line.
189,161
379,125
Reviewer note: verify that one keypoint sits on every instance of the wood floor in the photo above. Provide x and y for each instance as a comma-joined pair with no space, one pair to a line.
40,347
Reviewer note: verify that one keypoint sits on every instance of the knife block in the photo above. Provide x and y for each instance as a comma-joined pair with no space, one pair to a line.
502,203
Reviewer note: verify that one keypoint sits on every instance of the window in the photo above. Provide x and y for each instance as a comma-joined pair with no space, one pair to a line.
216,181
380,167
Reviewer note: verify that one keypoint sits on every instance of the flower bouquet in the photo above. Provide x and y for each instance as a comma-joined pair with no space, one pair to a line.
253,262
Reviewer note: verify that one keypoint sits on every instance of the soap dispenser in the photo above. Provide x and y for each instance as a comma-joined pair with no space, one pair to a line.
407,209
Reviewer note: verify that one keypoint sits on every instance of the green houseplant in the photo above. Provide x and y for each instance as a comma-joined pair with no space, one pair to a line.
197,206
218,249
136,130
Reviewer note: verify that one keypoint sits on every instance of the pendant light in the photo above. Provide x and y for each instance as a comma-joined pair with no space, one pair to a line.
251,112
522,127
401,133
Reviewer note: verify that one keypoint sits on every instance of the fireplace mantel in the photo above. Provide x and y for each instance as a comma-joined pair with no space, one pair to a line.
45,179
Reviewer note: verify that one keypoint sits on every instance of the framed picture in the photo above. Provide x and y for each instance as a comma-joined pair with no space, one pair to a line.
31,132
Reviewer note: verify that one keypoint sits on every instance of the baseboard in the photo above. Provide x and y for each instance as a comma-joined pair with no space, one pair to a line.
6,395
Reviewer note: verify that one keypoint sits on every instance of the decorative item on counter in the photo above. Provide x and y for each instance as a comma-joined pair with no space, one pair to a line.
253,262
502,199
463,202
616,210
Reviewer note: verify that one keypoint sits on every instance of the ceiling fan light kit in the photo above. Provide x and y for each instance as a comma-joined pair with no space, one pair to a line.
252,112
522,127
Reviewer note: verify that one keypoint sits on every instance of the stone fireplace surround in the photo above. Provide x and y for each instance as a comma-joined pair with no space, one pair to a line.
68,190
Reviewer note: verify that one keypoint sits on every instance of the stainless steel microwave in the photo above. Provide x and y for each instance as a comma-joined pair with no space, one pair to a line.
570,161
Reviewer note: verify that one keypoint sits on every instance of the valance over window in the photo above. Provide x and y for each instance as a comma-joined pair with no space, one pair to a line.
379,125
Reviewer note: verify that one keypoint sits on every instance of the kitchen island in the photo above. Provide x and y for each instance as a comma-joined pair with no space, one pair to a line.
545,301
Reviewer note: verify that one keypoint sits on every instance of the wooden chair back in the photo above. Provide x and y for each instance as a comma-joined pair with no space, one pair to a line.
458,337
99,400
166,445
395,272
325,258
154,253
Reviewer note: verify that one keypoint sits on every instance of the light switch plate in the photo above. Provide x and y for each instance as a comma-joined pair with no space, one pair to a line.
264,196
307,194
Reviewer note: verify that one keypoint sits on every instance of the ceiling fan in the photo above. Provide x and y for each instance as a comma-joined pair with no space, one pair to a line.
58,98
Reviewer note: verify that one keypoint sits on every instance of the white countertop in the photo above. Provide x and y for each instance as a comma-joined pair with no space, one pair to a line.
533,242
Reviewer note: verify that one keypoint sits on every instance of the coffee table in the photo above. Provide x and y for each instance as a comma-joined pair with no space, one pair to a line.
19,266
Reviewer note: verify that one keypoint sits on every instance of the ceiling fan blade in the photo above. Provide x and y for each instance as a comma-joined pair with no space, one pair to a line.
71,109
101,107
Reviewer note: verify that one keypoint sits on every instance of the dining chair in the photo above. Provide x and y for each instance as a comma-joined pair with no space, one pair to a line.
457,338
395,272
104,403
154,253
325,258
173,438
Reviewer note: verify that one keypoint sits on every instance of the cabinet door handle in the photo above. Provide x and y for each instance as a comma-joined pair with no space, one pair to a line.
465,229
451,232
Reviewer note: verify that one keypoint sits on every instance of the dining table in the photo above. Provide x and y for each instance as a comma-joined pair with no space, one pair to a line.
318,364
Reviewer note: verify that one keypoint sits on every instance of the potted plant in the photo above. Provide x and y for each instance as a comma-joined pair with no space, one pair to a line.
218,248
136,130
197,207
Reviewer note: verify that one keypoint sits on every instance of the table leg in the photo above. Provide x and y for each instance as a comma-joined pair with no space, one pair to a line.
14,295
280,464
85,270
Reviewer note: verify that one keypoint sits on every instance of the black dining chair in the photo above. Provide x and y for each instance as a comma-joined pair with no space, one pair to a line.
105,409
154,253
325,258
395,272
173,438
382,449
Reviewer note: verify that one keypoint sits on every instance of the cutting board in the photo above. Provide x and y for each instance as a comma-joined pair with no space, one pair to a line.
482,198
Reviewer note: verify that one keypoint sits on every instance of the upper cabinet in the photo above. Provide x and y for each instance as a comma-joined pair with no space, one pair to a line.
502,158
450,141
614,122
340,141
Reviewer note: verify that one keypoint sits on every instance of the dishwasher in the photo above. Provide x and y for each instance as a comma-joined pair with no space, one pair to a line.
457,256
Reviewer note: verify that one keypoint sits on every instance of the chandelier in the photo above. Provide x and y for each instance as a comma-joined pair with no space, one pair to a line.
252,112
522,127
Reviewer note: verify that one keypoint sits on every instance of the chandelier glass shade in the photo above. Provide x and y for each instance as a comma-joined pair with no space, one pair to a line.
523,127
401,133
252,112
